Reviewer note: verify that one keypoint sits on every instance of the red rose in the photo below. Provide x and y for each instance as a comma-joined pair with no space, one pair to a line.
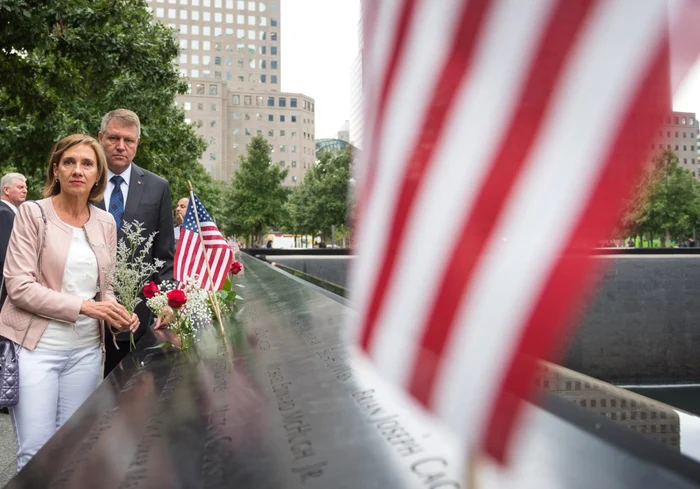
236,268
176,298
150,290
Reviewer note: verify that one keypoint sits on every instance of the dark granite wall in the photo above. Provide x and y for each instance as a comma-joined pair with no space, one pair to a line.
642,324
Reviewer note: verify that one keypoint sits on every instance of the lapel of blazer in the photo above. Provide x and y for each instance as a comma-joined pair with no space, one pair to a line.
133,198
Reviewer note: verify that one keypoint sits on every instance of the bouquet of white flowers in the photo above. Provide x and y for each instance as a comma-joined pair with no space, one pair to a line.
132,270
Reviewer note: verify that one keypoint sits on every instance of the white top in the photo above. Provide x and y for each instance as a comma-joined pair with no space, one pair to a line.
80,279
126,175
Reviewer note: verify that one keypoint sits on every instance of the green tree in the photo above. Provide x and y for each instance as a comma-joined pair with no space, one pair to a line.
65,63
321,201
255,201
666,203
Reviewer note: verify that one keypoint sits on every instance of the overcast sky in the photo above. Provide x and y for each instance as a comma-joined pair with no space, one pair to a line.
319,44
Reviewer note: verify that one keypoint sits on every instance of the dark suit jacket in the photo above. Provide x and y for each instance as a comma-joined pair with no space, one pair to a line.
7,219
148,202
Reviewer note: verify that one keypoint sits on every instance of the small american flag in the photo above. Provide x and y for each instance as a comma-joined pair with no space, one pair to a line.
191,259
502,138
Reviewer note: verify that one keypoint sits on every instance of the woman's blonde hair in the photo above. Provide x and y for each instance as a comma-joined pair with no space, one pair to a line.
53,187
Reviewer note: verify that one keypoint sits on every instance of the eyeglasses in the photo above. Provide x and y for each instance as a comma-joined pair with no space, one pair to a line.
114,140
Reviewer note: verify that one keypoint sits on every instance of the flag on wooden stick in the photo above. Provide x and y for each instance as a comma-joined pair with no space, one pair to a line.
502,140
208,255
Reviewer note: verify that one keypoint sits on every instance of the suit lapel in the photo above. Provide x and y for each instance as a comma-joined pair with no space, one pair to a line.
133,199
101,205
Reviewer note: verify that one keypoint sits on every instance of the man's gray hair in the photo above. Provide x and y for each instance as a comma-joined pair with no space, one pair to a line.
125,116
10,178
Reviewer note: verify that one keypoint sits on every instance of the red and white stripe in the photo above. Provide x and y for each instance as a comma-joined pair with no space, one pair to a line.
190,257
501,148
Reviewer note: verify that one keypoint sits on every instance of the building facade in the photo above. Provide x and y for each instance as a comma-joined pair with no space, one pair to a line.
679,133
230,51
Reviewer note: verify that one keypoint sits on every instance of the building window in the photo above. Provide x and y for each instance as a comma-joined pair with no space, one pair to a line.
262,21
240,19
195,29
160,12
195,44
263,78
270,118
229,18
263,49
171,13
212,107
251,6
273,36
235,132
217,60
195,59
183,44
270,101
251,49
294,134
213,90
294,118
283,148
683,120
251,63
294,179
271,133
685,161
685,147
247,132
187,106
236,101
183,14
251,35
240,4
240,34
235,116
262,7
676,147
200,106
251,20
206,60
183,28
206,16
273,79
212,156
246,116
218,17
294,149
195,16
229,61
200,89
273,22
282,133
247,100
273,64
293,102
259,132
273,50
282,118
252,78
294,164
282,102
240,78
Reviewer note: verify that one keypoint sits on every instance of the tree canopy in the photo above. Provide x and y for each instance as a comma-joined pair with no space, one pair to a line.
255,202
65,63
666,203
322,200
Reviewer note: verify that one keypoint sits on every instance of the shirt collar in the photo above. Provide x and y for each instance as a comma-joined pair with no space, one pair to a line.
126,175
11,206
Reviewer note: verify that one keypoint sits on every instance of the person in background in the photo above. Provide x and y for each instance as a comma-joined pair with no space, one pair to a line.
13,191
180,212
55,313
134,194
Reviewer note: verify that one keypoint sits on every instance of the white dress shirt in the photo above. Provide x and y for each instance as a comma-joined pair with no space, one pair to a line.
126,175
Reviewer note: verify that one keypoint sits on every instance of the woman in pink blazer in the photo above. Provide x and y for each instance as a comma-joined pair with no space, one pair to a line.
57,314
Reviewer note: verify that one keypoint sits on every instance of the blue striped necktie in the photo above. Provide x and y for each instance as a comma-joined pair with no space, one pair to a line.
116,200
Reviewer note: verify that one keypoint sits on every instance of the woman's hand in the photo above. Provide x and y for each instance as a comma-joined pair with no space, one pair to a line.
134,324
110,311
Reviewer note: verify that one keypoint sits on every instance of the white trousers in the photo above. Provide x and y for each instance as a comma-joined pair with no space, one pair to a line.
53,385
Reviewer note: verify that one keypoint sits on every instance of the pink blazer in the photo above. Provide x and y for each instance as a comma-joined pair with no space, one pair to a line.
25,295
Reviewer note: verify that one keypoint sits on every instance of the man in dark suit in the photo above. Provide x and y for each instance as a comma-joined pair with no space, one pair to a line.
13,191
134,194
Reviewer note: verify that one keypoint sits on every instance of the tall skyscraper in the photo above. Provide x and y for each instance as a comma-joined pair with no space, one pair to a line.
357,91
231,53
